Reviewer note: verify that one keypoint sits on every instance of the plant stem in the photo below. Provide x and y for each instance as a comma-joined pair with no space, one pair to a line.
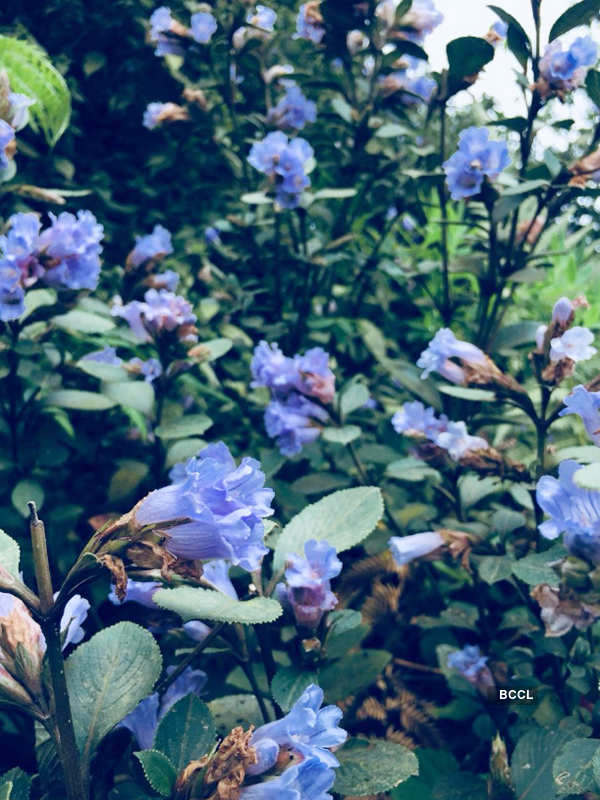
62,721
190,658
447,302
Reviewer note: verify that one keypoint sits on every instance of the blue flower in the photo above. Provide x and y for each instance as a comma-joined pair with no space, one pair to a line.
143,720
441,349
587,405
574,344
140,592
71,622
160,312
309,23
572,510
308,373
19,265
413,88
308,590
564,70
308,780
168,280
469,662
477,158
284,161
157,113
7,139
162,24
500,28
71,249
421,18
294,422
407,548
108,355
262,17
294,110
563,311
224,504
154,245
19,109
457,441
203,26
212,235
414,418
151,369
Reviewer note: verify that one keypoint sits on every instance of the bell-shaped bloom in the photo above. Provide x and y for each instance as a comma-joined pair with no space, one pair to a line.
71,247
157,113
169,280
563,310
221,507
572,510
271,368
309,23
564,70
575,343
153,245
307,588
472,665
587,405
18,113
413,418
441,349
262,17
7,143
294,422
458,442
294,110
71,622
284,161
151,368
421,18
141,592
143,720
307,731
160,312
202,25
309,780
162,33
477,157
406,548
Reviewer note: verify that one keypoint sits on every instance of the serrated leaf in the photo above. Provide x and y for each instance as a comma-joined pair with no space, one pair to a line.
79,400
573,770
186,732
371,767
10,554
107,677
580,14
184,427
531,763
288,684
346,676
31,72
159,771
192,602
343,519
83,322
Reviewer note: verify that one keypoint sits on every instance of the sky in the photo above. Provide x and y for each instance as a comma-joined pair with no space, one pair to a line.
474,18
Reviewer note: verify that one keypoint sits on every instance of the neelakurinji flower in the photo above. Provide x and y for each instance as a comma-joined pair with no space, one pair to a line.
18,112
7,143
497,33
140,592
309,780
441,349
151,368
572,510
293,110
587,405
160,312
562,70
203,25
309,373
307,587
223,506
472,665
168,280
212,236
164,31
284,161
456,440
155,245
414,418
421,18
294,422
309,22
477,157
574,344
157,113
262,17
406,548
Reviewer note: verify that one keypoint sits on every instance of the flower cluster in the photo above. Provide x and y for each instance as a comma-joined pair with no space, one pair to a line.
438,355
307,588
64,255
291,418
151,368
160,312
562,70
284,161
409,81
154,246
414,419
421,18
309,22
472,665
262,21
586,405
293,110
477,158
169,35
212,509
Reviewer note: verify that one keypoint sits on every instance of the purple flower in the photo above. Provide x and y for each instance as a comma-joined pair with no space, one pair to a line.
168,280
421,18
443,347
306,732
203,26
143,720
574,344
309,23
572,510
140,592
216,574
71,622
308,373
262,17
154,245
108,355
225,506
19,109
564,70
587,405
410,85
500,28
563,311
160,312
457,441
7,138
316,379
407,548
212,235
472,665
308,590
477,158
308,780
157,113
284,161
294,110
162,24
414,418
19,266
294,422
71,248
151,369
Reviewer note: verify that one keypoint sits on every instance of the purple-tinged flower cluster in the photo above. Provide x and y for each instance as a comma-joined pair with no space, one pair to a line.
574,344
143,720
585,404
223,504
66,254
307,587
564,70
441,349
303,739
477,158
572,510
309,23
160,312
155,245
294,110
284,161
421,18
472,665
291,418
414,419
406,548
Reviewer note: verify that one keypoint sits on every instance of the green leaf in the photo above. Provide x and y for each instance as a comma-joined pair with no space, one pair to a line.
182,428
288,684
467,55
579,14
107,677
334,194
494,568
370,767
531,763
343,435
159,771
83,322
182,449
573,770
20,783
339,679
37,298
592,84
6,790
10,554
134,394
236,709
534,568
515,335
213,349
186,732
343,519
345,631
588,477
256,198
24,491
467,393
79,400
104,372
516,38
30,72
473,489
352,398
411,469
195,603
126,479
